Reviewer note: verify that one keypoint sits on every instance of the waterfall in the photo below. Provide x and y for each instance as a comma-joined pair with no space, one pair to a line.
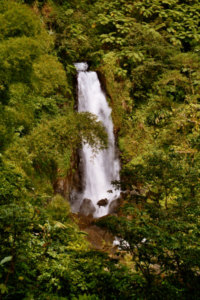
99,170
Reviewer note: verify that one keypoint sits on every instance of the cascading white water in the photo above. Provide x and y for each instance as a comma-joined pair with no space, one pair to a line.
102,168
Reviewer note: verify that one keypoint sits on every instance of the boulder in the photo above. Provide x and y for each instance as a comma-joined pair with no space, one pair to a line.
102,202
113,207
87,208
110,191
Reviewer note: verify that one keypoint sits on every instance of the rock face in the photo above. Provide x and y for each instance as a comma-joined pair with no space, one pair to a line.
102,202
99,238
73,181
113,207
87,208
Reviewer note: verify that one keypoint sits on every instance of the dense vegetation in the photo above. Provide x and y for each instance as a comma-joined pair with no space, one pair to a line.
148,56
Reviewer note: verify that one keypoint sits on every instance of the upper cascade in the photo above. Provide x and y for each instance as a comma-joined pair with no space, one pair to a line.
81,67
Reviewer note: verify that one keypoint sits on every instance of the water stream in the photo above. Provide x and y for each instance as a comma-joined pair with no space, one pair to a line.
101,169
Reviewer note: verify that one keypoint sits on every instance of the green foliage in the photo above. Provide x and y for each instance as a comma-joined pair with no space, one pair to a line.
49,77
51,141
164,248
16,55
177,21
18,21
147,55
59,208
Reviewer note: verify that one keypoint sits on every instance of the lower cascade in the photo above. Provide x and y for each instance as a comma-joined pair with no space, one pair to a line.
102,168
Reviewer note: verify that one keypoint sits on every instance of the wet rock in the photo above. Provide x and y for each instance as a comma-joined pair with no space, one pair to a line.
113,207
87,208
102,202
110,191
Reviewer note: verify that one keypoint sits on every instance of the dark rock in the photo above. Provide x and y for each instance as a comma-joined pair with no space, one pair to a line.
102,202
87,208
